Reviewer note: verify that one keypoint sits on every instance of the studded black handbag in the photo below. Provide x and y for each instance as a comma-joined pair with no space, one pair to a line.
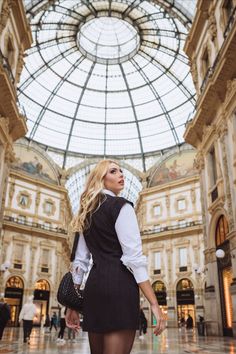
67,294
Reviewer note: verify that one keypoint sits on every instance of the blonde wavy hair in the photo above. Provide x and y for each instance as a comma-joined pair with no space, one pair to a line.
92,197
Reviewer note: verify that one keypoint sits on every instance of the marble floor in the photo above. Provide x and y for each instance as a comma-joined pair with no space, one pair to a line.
172,341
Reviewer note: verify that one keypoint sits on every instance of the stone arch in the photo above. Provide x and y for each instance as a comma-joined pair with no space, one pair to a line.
12,276
183,278
54,170
46,280
175,154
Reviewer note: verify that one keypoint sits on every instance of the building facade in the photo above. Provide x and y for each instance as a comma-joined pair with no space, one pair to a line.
36,235
170,217
15,38
211,47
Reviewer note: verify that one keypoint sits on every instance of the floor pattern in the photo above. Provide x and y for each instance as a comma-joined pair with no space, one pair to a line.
172,341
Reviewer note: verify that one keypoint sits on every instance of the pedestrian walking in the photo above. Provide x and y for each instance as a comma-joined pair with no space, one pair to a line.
5,315
27,314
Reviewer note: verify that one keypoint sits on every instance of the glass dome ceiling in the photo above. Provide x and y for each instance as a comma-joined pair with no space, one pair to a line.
106,77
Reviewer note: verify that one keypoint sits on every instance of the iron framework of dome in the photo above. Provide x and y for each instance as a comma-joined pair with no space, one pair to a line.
107,78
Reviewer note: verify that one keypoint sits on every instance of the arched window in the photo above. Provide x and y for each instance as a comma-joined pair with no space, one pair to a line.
158,286
15,282
184,284
42,284
222,229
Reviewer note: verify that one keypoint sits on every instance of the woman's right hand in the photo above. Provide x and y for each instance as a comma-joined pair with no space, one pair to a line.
160,326
72,319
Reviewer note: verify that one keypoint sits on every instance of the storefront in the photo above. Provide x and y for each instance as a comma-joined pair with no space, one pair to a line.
160,292
13,296
41,300
185,301
225,274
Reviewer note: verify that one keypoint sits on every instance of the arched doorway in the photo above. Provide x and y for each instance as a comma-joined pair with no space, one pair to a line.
225,275
41,300
185,300
13,295
160,292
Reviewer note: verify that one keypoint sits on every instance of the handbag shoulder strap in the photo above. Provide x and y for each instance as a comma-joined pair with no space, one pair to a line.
75,244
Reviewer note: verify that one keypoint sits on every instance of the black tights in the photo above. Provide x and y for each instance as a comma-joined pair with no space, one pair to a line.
119,342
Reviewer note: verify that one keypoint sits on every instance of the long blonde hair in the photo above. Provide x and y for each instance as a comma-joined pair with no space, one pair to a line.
91,198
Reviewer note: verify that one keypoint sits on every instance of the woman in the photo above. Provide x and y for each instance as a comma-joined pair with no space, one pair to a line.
109,232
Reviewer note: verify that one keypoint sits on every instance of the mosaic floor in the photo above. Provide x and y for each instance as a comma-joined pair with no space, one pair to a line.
172,341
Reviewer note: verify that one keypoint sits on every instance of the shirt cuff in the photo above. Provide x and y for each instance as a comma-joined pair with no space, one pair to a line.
77,276
140,274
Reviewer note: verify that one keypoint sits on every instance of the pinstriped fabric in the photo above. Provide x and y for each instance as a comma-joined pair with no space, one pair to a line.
111,295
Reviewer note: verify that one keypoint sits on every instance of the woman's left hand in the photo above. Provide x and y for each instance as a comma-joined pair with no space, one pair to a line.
72,319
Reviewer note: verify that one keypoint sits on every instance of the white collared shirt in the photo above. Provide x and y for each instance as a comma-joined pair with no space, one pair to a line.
128,234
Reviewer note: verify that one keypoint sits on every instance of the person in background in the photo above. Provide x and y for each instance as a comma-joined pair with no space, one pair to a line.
71,335
142,324
27,314
53,321
189,322
182,322
62,326
5,315
47,323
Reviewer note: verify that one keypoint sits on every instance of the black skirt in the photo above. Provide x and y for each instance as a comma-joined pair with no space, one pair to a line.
111,298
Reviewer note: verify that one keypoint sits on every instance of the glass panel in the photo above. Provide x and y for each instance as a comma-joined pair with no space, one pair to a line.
113,68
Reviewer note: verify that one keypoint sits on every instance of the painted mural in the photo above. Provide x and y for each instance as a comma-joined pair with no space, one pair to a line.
175,167
33,163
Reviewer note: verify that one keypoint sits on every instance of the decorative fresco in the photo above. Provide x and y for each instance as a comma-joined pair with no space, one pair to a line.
175,167
33,163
